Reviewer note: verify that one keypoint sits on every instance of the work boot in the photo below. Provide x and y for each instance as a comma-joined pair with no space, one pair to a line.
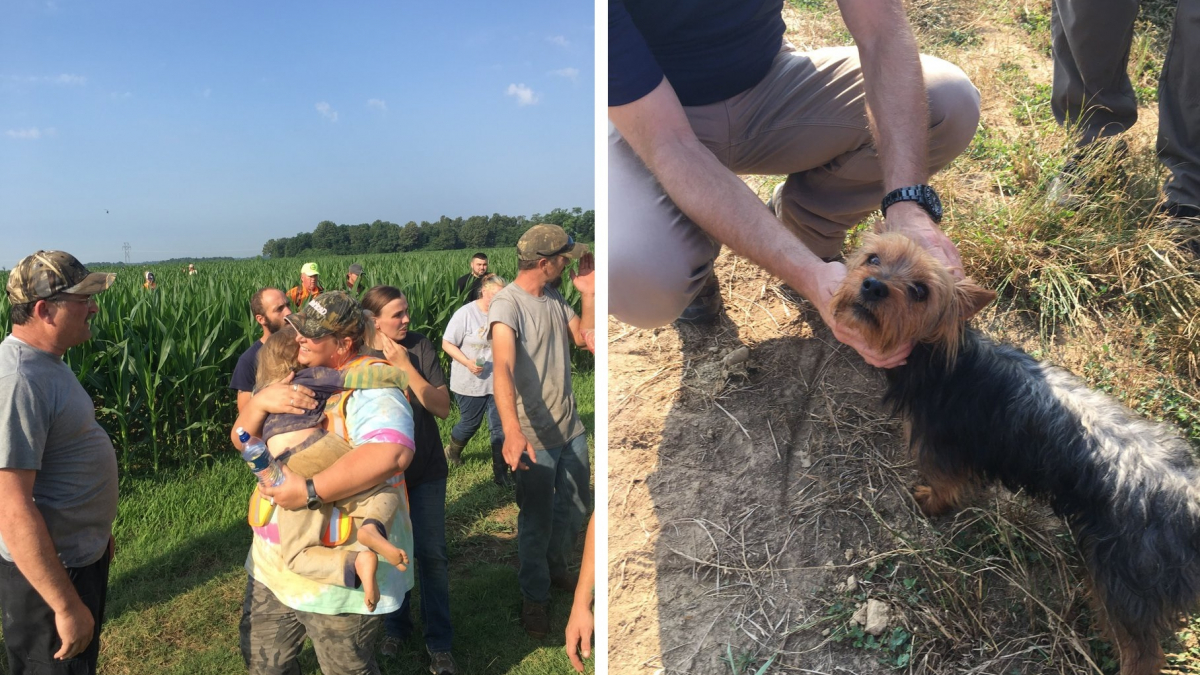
705,307
1075,183
535,619
442,663
454,452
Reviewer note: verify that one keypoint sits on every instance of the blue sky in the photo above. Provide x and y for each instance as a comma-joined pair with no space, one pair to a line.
192,128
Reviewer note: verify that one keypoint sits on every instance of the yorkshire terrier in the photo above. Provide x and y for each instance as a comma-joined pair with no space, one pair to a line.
977,412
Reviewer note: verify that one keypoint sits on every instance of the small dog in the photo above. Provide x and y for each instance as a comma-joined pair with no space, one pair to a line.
977,412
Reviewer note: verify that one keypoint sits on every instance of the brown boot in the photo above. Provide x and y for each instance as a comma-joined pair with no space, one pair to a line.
454,452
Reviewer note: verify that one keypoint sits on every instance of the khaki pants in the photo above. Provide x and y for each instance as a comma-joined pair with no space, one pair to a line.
807,119
1091,41
300,531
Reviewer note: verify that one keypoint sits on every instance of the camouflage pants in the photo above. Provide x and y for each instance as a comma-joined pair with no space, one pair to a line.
273,633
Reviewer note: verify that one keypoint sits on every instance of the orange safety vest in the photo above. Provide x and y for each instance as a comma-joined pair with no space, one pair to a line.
299,295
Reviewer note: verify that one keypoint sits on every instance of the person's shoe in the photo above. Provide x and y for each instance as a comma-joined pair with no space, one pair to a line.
503,480
775,199
442,663
1183,222
535,619
566,582
705,307
454,453
390,645
1071,187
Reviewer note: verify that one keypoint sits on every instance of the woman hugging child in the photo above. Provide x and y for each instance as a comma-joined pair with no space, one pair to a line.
306,444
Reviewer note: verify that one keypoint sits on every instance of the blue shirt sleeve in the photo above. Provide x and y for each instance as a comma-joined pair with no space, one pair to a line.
632,70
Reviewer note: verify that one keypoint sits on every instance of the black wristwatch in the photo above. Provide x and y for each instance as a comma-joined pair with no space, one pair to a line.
923,195
314,502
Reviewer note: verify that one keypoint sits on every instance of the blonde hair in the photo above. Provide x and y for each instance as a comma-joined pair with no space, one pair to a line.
492,280
277,357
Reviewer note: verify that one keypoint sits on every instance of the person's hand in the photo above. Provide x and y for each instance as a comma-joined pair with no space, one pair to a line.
829,278
75,627
911,220
579,634
475,368
291,494
285,397
393,351
585,278
515,444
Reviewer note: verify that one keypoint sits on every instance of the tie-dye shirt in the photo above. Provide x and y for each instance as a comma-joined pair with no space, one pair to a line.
373,416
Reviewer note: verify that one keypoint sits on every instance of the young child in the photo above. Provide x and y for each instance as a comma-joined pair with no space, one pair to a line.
302,442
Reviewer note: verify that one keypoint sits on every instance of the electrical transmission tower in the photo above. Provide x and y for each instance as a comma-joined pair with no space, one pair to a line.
126,247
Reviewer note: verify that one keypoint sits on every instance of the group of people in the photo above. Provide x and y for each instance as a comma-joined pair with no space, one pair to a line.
347,398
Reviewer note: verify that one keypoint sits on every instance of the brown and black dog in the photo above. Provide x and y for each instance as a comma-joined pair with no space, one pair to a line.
979,412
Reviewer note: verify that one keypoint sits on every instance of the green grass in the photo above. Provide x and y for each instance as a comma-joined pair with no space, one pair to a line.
176,585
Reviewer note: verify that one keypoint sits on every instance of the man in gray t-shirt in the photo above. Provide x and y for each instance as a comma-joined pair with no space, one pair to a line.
532,328
58,472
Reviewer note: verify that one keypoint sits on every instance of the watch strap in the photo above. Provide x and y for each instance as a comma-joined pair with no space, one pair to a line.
924,195
314,501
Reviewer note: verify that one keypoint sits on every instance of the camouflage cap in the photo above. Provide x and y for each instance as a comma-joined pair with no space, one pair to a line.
547,241
329,313
48,273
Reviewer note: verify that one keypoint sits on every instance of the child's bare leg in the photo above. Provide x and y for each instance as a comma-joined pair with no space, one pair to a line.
365,564
371,535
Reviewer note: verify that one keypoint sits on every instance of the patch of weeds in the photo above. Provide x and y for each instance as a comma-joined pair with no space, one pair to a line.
743,661
814,6
1032,105
1035,21
893,648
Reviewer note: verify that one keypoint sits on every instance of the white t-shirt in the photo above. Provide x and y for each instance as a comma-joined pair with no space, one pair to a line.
468,330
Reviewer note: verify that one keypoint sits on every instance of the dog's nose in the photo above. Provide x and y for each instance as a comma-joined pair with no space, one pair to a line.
874,289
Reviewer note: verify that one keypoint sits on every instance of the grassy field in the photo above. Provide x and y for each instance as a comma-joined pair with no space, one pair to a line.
176,586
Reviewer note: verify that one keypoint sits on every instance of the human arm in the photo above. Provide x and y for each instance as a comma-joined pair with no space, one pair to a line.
504,393
898,109
243,397
585,282
281,397
581,624
658,131
457,354
28,540
435,399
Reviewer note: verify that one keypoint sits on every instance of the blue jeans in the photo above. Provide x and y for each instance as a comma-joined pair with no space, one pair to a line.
553,497
470,411
427,509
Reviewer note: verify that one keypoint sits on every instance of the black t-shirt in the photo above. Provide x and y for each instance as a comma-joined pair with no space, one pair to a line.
709,50
429,461
246,369
475,285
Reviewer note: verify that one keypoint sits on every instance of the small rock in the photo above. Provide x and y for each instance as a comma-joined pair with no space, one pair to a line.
878,616
825,633
739,355
860,617
849,554
804,460
851,585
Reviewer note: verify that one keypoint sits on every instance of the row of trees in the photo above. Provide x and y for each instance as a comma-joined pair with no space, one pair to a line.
382,236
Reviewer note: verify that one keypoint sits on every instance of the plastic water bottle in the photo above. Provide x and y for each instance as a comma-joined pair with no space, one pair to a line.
254,451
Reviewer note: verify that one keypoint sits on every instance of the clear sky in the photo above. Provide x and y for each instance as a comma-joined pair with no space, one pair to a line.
204,128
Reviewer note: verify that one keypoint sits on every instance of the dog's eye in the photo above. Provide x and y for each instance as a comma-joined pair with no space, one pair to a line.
918,292
872,259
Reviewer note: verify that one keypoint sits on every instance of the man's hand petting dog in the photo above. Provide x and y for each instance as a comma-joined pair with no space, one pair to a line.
910,219
830,276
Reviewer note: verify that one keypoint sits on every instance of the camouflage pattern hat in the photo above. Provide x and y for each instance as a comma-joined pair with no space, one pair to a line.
329,313
547,241
48,273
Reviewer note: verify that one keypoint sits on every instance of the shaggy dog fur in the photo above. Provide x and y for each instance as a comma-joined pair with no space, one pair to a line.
978,412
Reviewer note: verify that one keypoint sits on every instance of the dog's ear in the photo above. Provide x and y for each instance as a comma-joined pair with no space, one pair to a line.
971,298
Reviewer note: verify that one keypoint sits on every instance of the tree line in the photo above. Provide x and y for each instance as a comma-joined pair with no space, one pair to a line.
382,236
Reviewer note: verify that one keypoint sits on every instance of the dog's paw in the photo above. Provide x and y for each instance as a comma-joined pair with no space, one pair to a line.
931,505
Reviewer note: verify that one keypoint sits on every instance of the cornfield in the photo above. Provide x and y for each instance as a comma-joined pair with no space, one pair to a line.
159,362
